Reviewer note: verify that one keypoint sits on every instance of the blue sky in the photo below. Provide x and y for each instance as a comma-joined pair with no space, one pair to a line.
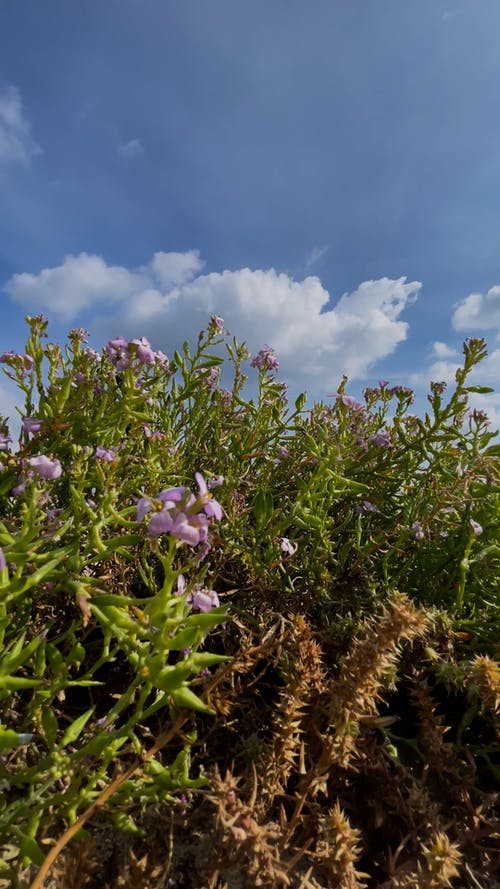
285,164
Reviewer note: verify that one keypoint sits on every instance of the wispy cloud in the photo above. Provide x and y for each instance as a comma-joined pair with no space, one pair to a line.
315,255
16,142
129,150
168,300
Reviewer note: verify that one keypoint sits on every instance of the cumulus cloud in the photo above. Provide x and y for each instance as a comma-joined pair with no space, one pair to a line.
442,350
478,311
169,301
79,283
486,373
16,143
172,269
129,150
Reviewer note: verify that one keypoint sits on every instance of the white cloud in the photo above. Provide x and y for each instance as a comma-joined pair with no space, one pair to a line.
168,301
79,283
486,373
129,150
442,350
10,397
173,269
16,143
478,311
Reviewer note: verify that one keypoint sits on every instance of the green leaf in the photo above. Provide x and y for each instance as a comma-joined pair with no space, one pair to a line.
30,849
184,697
50,726
73,731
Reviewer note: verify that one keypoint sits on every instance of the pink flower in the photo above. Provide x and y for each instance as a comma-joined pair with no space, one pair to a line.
45,467
288,548
203,600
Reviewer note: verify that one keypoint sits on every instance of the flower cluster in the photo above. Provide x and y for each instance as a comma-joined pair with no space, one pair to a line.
265,359
46,467
136,353
23,363
178,512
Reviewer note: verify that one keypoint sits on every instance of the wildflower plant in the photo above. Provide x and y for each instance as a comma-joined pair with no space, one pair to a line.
163,534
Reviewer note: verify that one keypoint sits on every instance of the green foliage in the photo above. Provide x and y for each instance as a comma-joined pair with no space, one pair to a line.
326,512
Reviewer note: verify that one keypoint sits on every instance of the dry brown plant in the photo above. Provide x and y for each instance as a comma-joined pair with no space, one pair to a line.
243,841
356,691
438,868
483,679
337,850
304,678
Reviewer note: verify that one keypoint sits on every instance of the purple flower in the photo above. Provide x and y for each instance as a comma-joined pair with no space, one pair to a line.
105,454
351,402
210,506
3,562
162,360
22,362
180,514
153,436
211,379
143,351
288,548
91,354
479,416
190,529
418,530
117,351
20,487
438,388
365,507
380,440
217,322
383,383
45,467
5,441
79,333
476,527
215,482
403,392
265,359
203,600
32,425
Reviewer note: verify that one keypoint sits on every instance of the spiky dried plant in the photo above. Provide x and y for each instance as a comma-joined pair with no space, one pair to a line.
337,850
253,847
483,678
440,866
440,756
303,674
356,691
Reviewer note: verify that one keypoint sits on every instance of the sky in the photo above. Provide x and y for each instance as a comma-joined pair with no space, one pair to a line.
323,175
